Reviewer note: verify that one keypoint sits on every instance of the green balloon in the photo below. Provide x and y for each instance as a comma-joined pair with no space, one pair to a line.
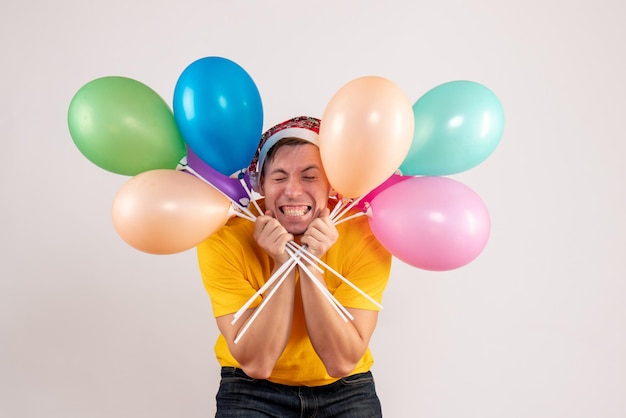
457,126
123,126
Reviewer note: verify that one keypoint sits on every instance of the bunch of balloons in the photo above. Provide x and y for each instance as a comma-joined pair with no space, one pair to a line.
380,151
123,126
390,157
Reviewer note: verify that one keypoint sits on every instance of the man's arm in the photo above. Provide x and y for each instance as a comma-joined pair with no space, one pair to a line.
339,344
264,341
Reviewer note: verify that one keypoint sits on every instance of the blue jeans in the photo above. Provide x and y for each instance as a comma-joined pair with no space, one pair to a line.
240,396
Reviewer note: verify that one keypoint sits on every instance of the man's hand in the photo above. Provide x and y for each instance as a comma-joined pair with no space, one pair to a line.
272,237
320,235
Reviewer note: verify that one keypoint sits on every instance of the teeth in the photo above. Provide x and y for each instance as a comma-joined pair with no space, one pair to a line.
295,210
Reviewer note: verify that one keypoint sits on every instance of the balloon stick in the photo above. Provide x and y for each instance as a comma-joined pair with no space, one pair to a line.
347,208
258,310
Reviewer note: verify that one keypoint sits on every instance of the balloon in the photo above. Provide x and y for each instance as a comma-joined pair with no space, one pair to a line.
365,134
218,110
231,187
457,126
433,223
365,201
123,126
167,211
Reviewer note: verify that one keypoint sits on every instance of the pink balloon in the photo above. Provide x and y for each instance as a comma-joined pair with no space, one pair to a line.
433,223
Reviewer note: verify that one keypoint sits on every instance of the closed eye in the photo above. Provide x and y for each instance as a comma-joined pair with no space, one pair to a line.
310,173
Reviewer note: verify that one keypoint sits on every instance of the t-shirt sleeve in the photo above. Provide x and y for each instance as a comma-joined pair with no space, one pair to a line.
229,273
364,262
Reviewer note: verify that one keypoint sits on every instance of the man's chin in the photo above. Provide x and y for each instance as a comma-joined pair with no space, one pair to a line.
296,227
296,231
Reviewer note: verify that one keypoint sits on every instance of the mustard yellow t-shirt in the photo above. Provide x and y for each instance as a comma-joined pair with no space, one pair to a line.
234,267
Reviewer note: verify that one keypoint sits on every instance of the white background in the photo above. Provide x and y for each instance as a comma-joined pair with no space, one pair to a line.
534,327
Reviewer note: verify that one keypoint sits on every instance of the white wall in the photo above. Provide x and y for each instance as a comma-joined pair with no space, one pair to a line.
535,327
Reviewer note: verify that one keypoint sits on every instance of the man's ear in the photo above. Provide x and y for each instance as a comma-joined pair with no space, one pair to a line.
254,182
259,186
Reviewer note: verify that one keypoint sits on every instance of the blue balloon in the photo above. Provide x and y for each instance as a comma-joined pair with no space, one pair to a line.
218,110
457,126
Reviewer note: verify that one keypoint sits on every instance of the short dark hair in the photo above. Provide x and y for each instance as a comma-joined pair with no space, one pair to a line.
290,141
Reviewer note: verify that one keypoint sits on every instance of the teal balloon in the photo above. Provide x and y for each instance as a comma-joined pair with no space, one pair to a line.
458,125
125,127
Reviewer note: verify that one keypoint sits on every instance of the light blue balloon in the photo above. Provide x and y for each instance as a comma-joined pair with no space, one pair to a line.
219,113
458,124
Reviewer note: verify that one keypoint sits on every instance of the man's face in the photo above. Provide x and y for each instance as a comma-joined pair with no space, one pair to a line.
295,186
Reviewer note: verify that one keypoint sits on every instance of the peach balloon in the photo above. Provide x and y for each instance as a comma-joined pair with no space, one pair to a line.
365,134
168,211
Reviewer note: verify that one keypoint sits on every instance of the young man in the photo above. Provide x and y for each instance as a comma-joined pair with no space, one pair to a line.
298,357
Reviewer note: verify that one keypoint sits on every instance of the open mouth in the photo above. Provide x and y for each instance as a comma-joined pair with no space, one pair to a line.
295,210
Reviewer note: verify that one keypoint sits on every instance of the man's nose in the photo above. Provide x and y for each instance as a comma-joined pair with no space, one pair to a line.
294,187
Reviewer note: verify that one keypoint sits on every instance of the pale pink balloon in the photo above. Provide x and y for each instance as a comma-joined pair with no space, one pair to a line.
365,134
168,211
433,223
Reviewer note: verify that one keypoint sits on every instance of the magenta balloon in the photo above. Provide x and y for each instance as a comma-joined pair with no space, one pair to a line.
231,187
367,199
433,223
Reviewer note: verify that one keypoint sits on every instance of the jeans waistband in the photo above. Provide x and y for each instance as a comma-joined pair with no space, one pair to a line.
229,371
